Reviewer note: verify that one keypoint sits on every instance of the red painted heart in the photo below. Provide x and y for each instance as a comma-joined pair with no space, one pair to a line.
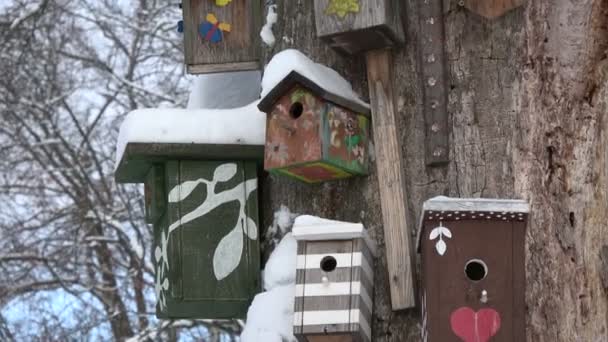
473,326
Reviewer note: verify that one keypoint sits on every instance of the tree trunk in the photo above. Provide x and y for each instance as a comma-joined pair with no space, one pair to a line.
527,97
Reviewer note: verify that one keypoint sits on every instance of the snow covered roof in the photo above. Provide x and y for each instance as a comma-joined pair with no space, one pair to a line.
148,135
313,228
290,67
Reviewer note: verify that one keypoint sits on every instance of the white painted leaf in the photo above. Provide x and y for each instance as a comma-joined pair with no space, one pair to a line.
157,253
434,233
440,246
166,284
227,255
181,191
251,229
446,232
224,172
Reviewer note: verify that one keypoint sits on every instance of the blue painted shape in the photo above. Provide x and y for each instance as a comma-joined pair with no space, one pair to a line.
210,32
180,26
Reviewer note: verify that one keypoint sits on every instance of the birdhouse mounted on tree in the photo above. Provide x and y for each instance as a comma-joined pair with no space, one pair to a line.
201,198
221,35
473,272
334,281
353,26
314,135
492,8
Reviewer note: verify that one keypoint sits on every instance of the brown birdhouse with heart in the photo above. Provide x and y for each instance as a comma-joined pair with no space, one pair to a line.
492,8
473,274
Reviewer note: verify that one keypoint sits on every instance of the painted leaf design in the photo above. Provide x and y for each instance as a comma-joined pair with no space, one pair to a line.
227,255
224,172
434,233
181,191
446,232
441,247
252,229
157,254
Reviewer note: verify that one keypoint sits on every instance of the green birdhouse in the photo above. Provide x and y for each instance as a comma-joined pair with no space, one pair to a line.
313,134
201,199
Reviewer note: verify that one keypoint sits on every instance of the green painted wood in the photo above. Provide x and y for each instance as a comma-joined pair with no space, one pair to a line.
207,228
154,190
138,158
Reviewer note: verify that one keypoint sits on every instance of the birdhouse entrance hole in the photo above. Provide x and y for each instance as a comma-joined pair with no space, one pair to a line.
296,110
476,270
328,263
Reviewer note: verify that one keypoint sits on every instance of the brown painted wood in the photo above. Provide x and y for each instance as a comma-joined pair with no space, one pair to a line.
376,25
447,288
391,179
239,48
519,281
492,8
331,338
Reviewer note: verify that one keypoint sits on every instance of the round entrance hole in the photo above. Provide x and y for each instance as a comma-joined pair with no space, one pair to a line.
328,263
296,110
476,270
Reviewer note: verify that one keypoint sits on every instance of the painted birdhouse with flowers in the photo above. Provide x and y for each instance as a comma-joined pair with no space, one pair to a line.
221,35
353,26
473,272
313,134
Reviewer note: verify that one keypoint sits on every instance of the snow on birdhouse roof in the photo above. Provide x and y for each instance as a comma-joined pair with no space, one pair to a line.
442,203
189,133
313,228
290,67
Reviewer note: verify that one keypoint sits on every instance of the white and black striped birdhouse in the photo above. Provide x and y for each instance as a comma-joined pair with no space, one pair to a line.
334,284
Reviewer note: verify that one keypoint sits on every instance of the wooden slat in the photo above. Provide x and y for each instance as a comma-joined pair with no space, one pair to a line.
492,8
399,251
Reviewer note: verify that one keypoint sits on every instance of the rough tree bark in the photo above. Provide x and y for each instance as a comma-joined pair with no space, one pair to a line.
527,103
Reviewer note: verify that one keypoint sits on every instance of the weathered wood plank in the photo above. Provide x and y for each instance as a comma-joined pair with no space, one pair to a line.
391,179
228,50
492,8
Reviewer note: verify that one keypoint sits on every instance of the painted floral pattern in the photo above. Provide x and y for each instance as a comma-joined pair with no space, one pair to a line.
304,129
229,251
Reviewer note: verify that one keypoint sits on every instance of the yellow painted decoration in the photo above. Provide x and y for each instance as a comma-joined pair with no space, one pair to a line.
213,20
222,3
342,7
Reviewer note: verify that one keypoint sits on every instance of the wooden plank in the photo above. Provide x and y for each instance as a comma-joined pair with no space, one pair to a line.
492,8
367,26
391,179
433,66
240,47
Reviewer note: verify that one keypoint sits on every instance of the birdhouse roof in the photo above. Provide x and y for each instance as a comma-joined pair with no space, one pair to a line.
155,135
312,228
290,67
443,208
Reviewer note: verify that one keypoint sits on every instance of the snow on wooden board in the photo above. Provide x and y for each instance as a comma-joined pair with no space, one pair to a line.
238,126
290,60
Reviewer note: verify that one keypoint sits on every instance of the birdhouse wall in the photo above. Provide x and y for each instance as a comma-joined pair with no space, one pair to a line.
311,139
221,38
154,192
340,308
451,300
353,26
206,250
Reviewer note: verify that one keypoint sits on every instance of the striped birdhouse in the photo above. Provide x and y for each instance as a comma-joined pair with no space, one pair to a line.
334,285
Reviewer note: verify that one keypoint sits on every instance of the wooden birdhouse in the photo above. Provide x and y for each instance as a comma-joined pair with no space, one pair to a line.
201,199
334,281
312,134
473,272
492,8
353,26
221,35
